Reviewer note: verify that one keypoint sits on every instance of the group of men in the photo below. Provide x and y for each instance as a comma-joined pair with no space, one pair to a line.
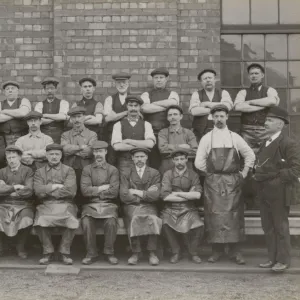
134,149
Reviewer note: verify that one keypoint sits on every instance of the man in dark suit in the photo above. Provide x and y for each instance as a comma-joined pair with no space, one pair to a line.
277,173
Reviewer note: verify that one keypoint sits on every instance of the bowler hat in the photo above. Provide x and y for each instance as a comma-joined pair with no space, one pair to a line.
278,112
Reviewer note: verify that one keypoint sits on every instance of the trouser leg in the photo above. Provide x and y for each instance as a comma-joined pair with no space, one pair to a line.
110,227
192,240
1,242
218,248
44,235
135,244
171,236
152,242
234,249
66,241
22,238
89,236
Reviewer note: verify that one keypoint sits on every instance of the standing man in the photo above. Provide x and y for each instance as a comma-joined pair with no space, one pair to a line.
16,204
277,173
100,183
115,109
140,191
204,100
130,133
55,187
181,190
174,137
54,110
155,105
218,157
12,111
34,143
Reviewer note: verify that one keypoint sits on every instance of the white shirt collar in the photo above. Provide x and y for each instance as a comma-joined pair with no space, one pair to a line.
140,171
222,130
275,136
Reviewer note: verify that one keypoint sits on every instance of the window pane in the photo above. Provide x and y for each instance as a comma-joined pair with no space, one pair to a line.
246,81
276,73
259,9
241,7
294,73
282,93
231,47
231,74
276,46
295,101
289,11
253,46
294,46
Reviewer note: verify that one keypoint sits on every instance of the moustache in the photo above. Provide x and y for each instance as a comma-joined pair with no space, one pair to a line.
180,165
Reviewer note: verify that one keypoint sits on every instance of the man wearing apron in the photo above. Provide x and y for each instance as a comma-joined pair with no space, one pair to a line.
174,137
277,173
12,111
154,108
115,109
202,101
100,184
139,192
34,143
55,188
181,190
218,157
54,110
130,133
16,203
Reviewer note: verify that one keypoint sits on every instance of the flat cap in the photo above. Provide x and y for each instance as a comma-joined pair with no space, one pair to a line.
160,71
278,112
175,107
10,82
99,145
91,80
206,71
76,110
121,76
180,151
54,147
33,115
134,98
219,107
256,66
145,150
48,80
14,148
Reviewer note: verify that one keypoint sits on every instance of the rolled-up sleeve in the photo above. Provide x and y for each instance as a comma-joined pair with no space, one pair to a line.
39,107
116,134
240,97
149,134
25,105
64,107
195,101
273,93
107,106
145,97
98,109
244,149
226,99
175,96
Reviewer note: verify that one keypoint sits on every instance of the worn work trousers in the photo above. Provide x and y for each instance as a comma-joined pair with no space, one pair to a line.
21,239
191,239
44,234
136,243
89,226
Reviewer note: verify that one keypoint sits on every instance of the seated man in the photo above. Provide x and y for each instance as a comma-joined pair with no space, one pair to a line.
100,183
55,187
139,191
180,191
174,137
16,209
34,143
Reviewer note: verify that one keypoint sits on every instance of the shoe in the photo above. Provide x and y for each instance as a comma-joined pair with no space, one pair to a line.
23,254
267,265
238,259
89,260
66,259
279,267
174,259
153,259
196,259
134,259
112,259
214,257
46,259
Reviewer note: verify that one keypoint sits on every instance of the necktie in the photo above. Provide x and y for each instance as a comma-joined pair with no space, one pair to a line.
140,173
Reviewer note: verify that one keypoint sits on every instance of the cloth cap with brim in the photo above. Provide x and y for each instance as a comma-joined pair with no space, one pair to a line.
278,112
121,76
206,71
76,110
13,148
134,98
160,71
219,107
145,150
91,80
99,145
10,82
175,107
255,66
54,147
49,80
33,115
180,151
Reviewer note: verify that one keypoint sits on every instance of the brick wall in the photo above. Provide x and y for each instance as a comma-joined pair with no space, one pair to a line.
71,39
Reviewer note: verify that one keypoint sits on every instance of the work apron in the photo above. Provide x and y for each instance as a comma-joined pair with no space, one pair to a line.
100,210
223,206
